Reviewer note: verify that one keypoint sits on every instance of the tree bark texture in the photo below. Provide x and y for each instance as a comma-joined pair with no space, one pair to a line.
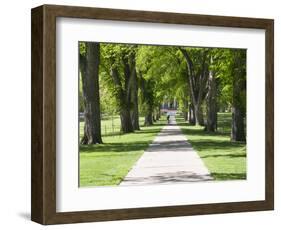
89,67
191,115
148,120
134,94
124,101
126,123
211,123
199,119
158,112
238,113
185,109
148,100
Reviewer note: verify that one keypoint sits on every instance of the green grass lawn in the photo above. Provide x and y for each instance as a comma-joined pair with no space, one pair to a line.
225,160
109,163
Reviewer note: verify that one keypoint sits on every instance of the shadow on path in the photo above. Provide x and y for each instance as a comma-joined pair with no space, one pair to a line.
169,177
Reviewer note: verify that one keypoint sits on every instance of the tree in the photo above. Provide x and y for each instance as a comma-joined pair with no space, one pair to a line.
163,69
230,69
185,108
238,103
89,58
144,59
191,114
147,99
118,63
211,101
81,99
124,101
197,74
134,92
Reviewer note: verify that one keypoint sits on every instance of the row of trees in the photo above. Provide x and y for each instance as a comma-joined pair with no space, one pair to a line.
136,79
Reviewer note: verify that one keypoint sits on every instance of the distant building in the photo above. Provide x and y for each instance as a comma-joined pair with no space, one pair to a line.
169,106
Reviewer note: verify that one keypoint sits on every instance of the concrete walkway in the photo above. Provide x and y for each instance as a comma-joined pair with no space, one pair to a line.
168,159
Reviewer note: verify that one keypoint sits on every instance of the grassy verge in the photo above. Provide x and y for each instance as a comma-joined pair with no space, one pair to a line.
109,163
225,160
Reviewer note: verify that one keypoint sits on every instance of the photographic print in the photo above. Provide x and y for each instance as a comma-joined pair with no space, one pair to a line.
152,114
141,114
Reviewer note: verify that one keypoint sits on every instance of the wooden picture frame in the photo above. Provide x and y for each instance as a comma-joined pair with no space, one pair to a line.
43,160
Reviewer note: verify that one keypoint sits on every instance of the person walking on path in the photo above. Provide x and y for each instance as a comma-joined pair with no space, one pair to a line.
168,118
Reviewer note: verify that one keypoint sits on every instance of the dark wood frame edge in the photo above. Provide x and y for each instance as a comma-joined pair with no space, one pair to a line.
43,110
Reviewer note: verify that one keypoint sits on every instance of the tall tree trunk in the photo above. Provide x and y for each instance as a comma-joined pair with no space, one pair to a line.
211,124
148,120
191,116
158,112
238,114
197,83
237,126
126,123
154,117
147,100
122,96
89,67
185,109
134,95
185,115
199,119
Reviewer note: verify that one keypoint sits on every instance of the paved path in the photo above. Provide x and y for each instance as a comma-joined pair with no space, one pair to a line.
168,159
